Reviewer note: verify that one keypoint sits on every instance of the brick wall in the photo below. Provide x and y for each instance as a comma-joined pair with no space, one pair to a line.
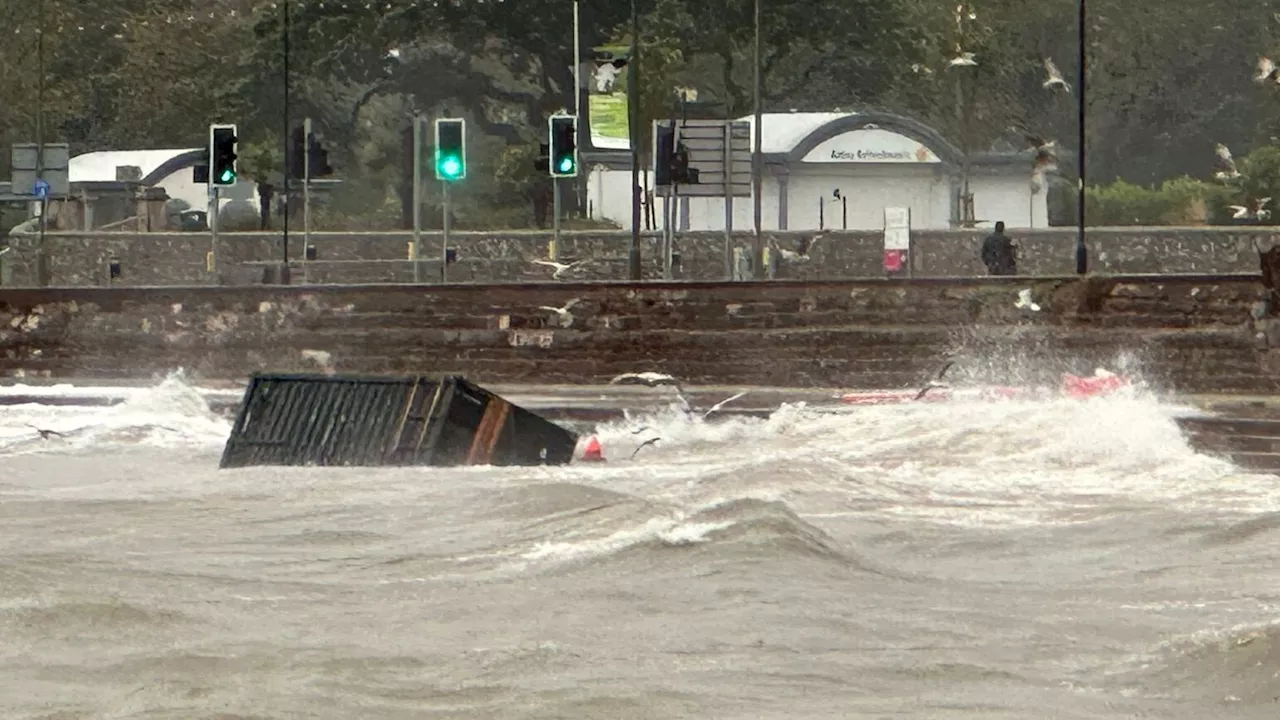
81,259
1186,333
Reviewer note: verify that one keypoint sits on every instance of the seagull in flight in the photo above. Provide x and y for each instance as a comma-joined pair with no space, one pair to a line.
1025,302
1267,71
936,382
654,379
45,434
963,59
645,444
718,406
1226,162
1055,80
560,268
565,317
806,245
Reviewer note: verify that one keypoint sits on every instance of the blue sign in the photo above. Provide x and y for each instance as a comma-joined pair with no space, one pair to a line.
41,188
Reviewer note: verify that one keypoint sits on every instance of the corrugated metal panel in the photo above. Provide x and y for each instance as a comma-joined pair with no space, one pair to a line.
363,421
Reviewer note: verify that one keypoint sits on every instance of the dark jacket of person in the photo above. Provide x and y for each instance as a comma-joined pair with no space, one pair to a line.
998,253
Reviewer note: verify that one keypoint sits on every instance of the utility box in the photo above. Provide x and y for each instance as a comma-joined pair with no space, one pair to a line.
329,420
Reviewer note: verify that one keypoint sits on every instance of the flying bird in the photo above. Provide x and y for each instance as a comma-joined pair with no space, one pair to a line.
1046,157
1254,211
45,434
805,246
1226,162
963,59
654,379
1267,71
1054,80
936,382
645,444
561,268
1025,302
562,313
720,405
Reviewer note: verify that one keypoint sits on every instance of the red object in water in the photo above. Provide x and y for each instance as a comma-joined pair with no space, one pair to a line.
593,452
891,397
1100,384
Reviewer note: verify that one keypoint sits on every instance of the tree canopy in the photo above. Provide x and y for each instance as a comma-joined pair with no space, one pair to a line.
1165,82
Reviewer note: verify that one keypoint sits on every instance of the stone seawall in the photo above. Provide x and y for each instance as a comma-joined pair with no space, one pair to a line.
148,259
1190,333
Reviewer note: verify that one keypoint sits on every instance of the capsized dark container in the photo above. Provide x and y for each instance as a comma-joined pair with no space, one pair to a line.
332,420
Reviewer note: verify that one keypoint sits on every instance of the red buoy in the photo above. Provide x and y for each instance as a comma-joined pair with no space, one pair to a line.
593,452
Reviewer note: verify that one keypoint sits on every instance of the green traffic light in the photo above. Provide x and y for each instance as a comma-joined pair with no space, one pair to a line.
566,165
227,176
450,166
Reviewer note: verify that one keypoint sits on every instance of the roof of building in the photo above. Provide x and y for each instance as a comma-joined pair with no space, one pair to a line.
784,131
789,137
101,166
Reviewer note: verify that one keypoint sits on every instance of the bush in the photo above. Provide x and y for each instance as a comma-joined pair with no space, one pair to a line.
1181,201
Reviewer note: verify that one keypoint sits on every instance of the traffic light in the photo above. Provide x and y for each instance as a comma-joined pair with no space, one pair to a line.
671,159
222,154
297,153
564,145
451,149
681,173
664,148
308,154
318,158
542,163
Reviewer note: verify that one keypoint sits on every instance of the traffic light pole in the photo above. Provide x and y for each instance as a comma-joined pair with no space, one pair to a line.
444,242
633,124
214,201
417,199
555,222
306,199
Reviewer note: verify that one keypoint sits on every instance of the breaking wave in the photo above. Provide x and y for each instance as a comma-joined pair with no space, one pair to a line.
1238,665
173,413
1014,461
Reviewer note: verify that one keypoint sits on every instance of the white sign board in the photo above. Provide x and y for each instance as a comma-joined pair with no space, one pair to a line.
871,145
897,228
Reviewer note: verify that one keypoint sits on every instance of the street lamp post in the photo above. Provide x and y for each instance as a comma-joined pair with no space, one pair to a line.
1082,251
284,278
633,131
757,159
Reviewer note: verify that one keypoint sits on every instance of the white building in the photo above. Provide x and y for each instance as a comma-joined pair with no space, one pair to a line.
167,169
838,170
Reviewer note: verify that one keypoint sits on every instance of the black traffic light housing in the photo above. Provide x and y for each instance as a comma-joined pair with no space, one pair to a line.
681,173
563,139
542,163
451,149
200,171
306,151
664,147
222,155
671,159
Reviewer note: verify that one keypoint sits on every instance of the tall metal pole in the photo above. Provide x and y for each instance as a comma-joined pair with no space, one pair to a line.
306,199
577,122
633,131
284,259
757,159
556,190
43,258
417,198
577,67
444,236
1082,250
